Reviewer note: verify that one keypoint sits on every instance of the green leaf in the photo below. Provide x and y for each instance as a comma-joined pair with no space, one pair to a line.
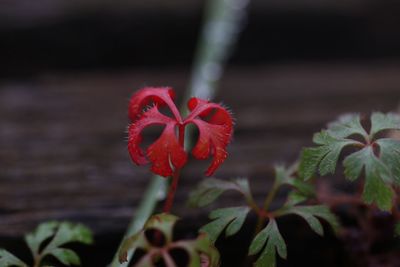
66,256
272,241
346,125
9,260
381,168
378,177
311,215
210,189
324,157
381,122
40,234
59,234
230,218
70,232
390,156
294,198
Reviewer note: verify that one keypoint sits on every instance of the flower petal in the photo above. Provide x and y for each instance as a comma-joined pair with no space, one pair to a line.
215,126
213,139
157,95
166,151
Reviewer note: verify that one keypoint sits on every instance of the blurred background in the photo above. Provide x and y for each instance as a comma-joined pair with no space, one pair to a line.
68,67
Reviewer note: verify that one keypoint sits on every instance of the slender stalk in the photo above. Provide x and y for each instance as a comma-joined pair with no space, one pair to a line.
175,177
172,191
154,193
37,262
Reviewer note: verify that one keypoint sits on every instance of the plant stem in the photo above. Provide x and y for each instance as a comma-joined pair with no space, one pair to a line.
153,194
37,260
171,192
175,177
268,200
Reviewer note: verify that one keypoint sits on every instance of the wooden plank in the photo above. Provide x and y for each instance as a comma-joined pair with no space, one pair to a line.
63,137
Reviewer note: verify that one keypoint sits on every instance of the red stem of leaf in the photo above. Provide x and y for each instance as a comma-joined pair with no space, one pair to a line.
175,177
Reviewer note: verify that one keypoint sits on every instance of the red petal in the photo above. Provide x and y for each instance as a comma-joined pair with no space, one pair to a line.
165,149
157,95
214,134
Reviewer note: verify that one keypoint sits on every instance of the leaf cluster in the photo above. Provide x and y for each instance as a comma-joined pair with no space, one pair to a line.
268,242
376,158
47,240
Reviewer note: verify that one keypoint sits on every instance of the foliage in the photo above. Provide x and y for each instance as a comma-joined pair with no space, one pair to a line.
47,240
167,153
156,239
375,157
271,238
268,240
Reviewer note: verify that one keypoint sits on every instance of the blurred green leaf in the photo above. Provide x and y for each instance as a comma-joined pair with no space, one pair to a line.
312,214
230,218
66,256
58,234
381,122
210,189
9,260
40,234
272,241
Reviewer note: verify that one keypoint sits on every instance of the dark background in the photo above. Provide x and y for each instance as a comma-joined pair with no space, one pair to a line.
67,69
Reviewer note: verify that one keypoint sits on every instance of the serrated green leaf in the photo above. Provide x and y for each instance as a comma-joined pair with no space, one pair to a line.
9,260
230,218
70,232
210,189
346,125
66,256
382,168
311,215
377,174
324,157
381,122
272,241
390,156
40,234
59,235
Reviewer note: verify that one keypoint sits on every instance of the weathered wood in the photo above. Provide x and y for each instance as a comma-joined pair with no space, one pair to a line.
63,137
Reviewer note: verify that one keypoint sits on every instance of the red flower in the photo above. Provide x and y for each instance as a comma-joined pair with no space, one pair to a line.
167,153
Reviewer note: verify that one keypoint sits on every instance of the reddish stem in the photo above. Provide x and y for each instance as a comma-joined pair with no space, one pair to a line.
175,176
171,192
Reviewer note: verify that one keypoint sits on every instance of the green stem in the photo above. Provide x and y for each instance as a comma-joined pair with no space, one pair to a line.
150,198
